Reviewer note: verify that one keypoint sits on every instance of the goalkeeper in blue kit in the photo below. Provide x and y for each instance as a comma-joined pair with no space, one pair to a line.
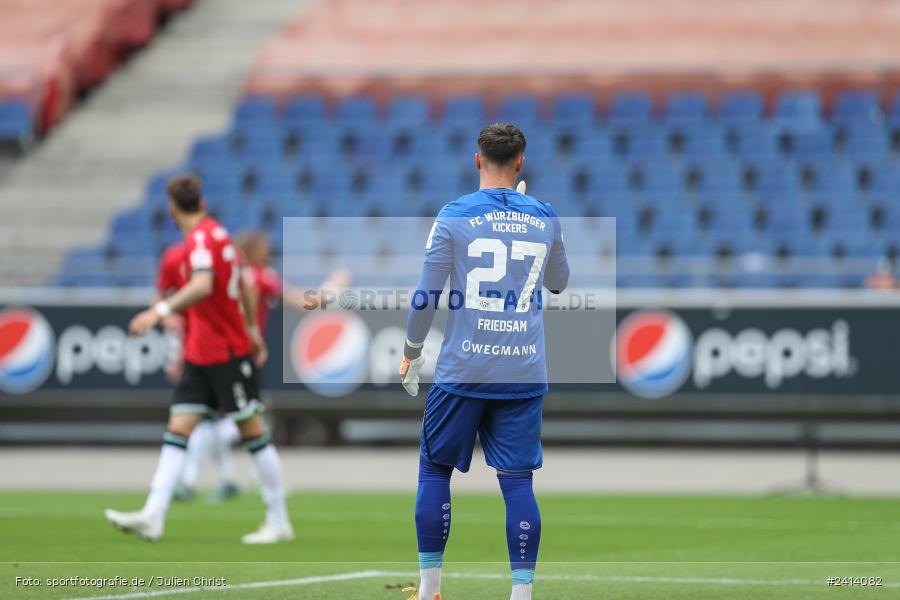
499,248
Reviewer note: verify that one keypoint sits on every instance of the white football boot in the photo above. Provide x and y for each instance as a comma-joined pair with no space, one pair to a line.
269,533
140,524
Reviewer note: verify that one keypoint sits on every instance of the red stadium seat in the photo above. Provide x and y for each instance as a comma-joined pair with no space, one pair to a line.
51,51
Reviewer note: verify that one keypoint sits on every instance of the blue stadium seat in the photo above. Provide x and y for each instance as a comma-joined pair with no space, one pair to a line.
619,206
388,184
686,108
886,183
331,189
579,109
408,110
631,109
356,110
736,244
135,245
235,223
812,280
666,183
593,144
867,145
318,145
276,183
835,183
632,245
778,183
131,223
523,110
857,105
626,226
223,185
674,224
607,181
375,144
424,145
811,144
705,144
541,148
893,115
741,108
260,144
731,221
647,144
85,267
464,109
16,121
133,271
753,142
304,110
892,222
255,109
790,226
799,107
672,238
209,150
719,180
855,222
637,281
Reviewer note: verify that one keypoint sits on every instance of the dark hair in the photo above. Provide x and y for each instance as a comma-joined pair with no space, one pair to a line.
501,143
184,191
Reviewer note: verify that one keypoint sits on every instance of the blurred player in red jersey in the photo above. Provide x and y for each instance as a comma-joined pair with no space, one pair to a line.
171,276
221,344
268,288
203,442
257,254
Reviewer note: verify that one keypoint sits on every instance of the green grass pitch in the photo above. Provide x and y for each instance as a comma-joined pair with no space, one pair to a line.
362,546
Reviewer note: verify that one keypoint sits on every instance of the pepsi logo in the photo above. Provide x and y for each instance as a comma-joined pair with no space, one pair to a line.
27,349
329,352
653,353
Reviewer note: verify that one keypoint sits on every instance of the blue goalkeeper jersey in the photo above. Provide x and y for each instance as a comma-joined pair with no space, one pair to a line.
500,249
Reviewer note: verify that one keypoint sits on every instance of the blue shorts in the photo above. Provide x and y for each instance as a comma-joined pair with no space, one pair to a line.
509,430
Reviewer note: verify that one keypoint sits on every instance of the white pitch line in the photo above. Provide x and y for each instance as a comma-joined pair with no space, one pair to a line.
725,581
240,586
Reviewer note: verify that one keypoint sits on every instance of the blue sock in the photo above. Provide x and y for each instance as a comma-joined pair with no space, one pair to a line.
432,512
523,524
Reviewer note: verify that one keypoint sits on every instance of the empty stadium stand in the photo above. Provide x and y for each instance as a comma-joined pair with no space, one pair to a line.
64,193
52,52
727,192
737,144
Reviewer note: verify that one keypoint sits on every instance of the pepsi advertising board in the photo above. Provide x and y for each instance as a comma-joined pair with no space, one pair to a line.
658,353
821,351
83,347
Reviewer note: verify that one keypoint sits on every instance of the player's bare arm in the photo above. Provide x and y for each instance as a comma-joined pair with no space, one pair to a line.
302,299
249,301
196,289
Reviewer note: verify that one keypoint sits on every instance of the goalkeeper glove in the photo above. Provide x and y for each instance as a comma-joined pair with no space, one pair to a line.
410,366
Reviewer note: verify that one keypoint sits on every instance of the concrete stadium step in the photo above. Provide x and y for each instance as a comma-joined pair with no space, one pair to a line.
142,120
